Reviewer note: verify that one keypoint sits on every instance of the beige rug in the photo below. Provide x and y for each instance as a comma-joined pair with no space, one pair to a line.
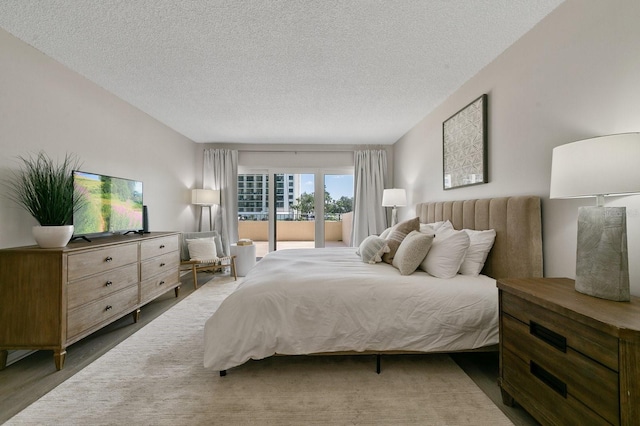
156,377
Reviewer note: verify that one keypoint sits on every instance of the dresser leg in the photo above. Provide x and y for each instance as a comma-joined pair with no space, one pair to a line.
136,315
58,358
507,399
177,291
3,358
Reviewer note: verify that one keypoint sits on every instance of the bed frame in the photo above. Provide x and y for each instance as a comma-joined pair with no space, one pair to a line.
516,252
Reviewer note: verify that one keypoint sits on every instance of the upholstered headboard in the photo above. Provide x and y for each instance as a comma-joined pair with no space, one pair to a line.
517,251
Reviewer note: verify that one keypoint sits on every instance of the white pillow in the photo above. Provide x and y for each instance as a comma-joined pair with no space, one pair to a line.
446,254
412,252
386,232
441,227
479,247
372,248
202,248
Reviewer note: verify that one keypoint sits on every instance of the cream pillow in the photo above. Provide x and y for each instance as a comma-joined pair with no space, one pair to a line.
372,249
396,236
480,243
386,233
412,252
202,248
446,254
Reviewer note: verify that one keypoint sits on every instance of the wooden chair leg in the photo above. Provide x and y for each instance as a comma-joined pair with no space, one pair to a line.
195,276
233,268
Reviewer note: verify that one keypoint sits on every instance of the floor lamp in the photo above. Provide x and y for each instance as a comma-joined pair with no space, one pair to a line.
599,167
205,198
394,197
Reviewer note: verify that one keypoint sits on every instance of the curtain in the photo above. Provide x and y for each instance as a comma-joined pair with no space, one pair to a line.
369,178
220,171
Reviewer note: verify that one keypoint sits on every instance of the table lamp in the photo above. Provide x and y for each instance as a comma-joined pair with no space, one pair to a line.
394,198
599,167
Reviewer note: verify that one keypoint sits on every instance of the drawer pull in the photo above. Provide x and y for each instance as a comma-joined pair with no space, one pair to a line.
108,259
108,308
550,337
548,379
161,246
161,282
162,264
108,284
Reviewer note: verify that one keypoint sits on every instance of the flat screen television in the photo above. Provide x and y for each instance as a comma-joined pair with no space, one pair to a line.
113,205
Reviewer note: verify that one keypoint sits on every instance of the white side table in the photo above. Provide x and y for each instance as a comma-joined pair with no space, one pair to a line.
245,258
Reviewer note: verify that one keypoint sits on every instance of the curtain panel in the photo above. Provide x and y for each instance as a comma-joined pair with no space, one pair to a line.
220,171
369,177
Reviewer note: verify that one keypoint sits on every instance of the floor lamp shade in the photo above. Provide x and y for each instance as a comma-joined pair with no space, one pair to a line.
599,167
394,197
205,198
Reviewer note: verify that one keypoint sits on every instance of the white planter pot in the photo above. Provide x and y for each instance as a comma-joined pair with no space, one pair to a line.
52,236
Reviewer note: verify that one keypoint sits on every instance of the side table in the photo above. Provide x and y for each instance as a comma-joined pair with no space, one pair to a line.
245,258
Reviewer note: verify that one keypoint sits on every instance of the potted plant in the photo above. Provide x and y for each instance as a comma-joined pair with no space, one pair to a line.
45,189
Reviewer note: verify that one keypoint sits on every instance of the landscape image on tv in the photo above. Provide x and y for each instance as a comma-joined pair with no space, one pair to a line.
112,204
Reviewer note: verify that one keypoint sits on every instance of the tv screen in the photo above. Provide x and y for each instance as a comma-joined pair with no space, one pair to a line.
112,204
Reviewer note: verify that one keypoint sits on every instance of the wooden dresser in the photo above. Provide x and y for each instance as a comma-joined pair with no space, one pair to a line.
51,298
566,357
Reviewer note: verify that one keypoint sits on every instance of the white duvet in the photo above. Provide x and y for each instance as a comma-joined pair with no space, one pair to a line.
306,301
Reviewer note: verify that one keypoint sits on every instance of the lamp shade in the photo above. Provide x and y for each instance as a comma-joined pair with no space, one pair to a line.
394,197
205,197
606,165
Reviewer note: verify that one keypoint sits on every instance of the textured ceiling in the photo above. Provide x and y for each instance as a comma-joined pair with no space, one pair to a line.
308,71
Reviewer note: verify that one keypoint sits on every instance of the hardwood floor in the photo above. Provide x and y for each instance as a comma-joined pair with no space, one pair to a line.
26,380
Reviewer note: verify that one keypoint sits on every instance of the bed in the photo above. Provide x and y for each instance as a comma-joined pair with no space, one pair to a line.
328,301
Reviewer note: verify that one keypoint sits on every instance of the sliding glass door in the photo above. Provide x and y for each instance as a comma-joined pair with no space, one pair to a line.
279,209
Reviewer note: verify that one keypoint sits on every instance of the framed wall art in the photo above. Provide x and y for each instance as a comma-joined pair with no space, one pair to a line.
464,143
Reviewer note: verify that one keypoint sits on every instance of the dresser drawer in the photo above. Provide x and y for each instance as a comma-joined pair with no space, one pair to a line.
537,396
96,261
159,265
581,377
97,286
94,313
593,343
158,246
157,285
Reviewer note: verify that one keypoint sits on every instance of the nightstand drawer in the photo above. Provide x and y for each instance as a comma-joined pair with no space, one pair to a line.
97,286
528,387
593,343
579,376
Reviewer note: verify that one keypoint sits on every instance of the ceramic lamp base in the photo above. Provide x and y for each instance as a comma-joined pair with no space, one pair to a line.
602,266
52,236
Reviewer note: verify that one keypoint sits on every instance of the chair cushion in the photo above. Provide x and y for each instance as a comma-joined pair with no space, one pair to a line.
202,248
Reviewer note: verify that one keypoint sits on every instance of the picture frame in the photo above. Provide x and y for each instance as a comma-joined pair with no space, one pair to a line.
464,146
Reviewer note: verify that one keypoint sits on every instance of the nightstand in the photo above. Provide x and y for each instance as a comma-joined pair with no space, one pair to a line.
569,358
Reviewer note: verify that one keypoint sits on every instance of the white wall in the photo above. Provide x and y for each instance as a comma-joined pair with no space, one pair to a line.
575,75
46,106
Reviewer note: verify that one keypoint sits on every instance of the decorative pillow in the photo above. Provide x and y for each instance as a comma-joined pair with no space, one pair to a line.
427,228
441,227
412,252
396,236
479,246
446,254
433,225
202,248
372,248
386,232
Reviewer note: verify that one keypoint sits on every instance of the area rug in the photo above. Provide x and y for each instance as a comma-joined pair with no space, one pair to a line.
156,377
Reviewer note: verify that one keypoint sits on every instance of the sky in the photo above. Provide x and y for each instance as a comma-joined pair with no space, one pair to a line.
337,185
